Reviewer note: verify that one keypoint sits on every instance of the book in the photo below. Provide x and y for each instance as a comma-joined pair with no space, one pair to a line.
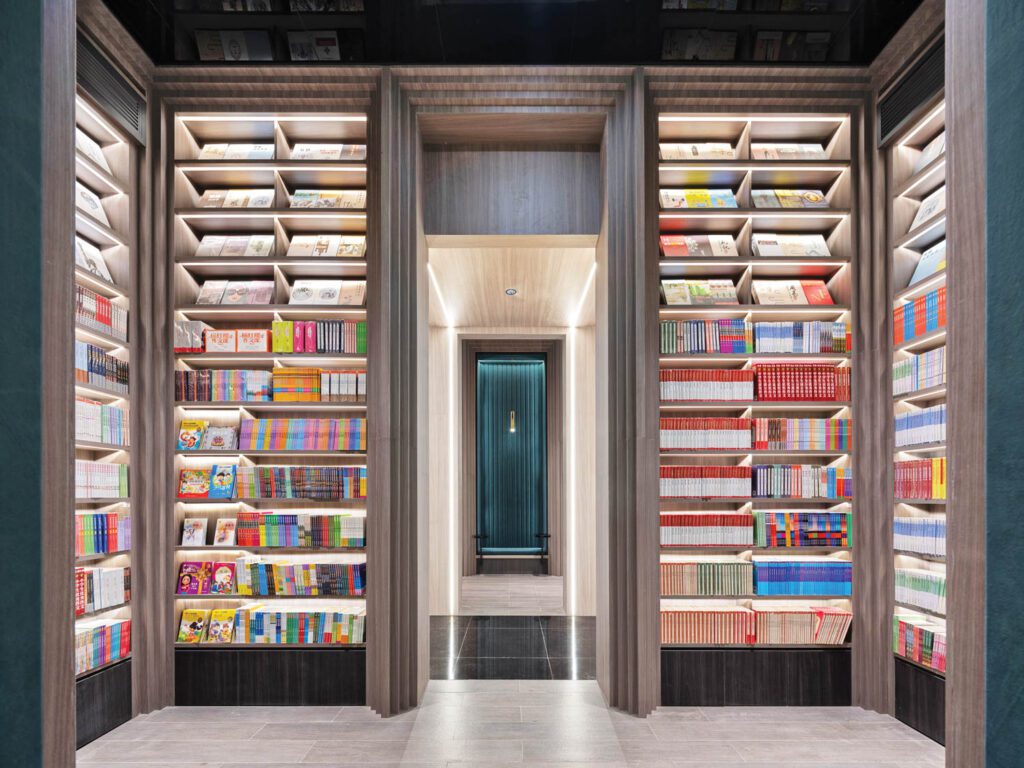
766,246
193,484
89,203
247,292
787,151
213,151
347,434
193,532
193,578
698,45
697,198
192,628
222,626
916,372
220,439
353,293
190,434
85,144
96,368
699,292
696,151
316,292
320,151
97,422
931,152
233,45
328,198
816,292
224,534
801,198
697,246
324,483
919,316
931,206
249,152
213,198
210,245
778,292
212,292
89,258
764,198
323,246
253,340
222,581
321,45
933,260
222,481
100,480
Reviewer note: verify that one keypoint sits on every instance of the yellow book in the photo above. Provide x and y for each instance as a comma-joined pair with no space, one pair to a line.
222,626
193,625
697,198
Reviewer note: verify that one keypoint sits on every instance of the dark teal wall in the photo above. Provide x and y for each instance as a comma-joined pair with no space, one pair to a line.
20,379
1004,683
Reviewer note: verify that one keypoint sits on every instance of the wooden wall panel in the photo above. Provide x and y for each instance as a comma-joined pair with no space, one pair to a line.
581,394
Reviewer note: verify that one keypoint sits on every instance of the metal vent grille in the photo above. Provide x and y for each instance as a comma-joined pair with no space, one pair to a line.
108,87
925,79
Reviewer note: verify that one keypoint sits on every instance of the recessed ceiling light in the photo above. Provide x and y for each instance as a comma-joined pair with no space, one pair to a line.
511,291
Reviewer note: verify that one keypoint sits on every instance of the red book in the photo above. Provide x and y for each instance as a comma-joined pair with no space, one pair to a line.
816,292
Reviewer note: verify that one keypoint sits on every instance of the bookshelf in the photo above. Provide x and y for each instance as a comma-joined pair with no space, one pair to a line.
103,518
768,408
916,174
292,390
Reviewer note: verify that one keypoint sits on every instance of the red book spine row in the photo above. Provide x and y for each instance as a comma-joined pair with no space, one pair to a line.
806,382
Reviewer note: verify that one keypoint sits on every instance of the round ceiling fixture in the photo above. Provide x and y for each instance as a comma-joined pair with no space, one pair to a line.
511,291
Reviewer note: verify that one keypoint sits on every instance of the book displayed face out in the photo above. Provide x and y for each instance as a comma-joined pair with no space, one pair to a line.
782,245
237,152
85,144
89,203
329,198
698,292
89,258
351,293
788,198
697,198
309,151
237,246
327,246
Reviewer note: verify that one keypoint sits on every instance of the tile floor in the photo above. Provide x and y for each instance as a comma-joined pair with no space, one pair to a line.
496,723
512,594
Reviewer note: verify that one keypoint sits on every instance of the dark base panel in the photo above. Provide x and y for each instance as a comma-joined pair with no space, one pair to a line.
921,700
268,676
755,677
496,565
103,701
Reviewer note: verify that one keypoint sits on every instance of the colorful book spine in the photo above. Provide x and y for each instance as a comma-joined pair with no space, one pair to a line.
97,533
279,529
731,336
100,480
694,623
99,588
802,576
927,425
705,434
801,481
802,434
339,337
921,588
919,372
719,577
94,367
706,529
98,313
921,479
920,535
921,316
801,529
303,434
281,579
259,625
214,385
920,639
101,641
96,422
316,483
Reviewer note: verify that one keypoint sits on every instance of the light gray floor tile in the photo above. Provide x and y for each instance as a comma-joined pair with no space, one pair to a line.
226,751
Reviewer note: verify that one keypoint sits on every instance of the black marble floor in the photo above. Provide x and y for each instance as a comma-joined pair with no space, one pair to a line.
513,647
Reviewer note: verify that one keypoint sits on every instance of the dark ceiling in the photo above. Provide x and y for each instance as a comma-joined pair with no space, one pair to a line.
513,31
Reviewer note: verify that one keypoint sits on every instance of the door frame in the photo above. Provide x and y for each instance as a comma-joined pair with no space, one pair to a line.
554,348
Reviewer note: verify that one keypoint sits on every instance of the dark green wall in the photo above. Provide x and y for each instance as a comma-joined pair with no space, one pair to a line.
1004,683
20,379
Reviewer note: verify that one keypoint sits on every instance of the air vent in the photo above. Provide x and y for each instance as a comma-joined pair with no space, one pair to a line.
926,78
109,88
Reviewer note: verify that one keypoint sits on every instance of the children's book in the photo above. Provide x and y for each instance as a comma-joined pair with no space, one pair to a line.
190,434
764,198
224,535
194,484
193,532
220,439
222,625
222,483
193,625
190,576
223,580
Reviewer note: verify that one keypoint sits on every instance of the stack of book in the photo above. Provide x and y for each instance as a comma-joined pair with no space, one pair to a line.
921,588
99,423
314,483
927,425
704,482
801,481
296,385
680,385
687,623
706,529
922,315
923,479
921,639
707,576
704,434
802,576
802,625
802,382
99,588
802,434
919,372
696,622
101,641
99,313
303,529
97,533
95,368
212,386
274,579
726,336
807,337
100,480
303,434
923,535
801,529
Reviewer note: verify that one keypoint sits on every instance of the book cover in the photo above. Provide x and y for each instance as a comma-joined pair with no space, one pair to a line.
676,292
190,434
221,341
931,151
236,198
211,245
301,46
722,198
260,198
213,198
353,293
222,481
235,246
931,206
235,292
697,246
193,625
89,203
193,532
933,260
89,258
261,291
249,152
190,577
222,582
213,151
85,144
194,484
673,198
258,246
222,626
253,340
303,198
212,292
301,246
220,439
801,198
224,534
765,245
764,198
235,45
816,292
315,292
696,151
778,292
697,198
351,247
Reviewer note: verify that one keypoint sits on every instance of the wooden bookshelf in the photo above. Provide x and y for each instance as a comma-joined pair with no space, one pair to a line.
107,168
283,174
912,176
741,173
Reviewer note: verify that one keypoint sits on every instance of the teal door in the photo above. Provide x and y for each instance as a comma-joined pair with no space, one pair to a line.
511,454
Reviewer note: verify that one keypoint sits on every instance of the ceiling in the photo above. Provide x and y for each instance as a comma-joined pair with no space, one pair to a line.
549,281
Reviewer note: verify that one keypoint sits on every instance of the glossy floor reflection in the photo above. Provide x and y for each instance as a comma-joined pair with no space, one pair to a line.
513,647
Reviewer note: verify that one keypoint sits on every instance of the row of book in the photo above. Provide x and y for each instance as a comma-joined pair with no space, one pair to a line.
99,588
239,45
722,292
759,434
927,425
921,639
694,623
302,150
347,434
923,315
351,199
314,483
96,422
95,368
98,313
816,576
198,435
290,385
301,246
250,575
764,245
255,624
921,588
285,529
923,535
918,372
734,336
219,385
217,482
310,292
717,150
775,481
759,528
304,385
707,576
101,641
806,382
319,336
734,576
97,533
923,479
699,198
100,480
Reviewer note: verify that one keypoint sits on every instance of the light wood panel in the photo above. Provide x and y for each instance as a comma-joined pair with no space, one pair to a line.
581,469
549,284
503,128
